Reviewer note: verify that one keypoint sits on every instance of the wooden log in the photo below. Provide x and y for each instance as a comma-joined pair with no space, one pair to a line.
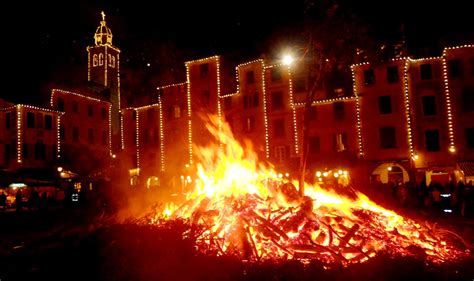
344,240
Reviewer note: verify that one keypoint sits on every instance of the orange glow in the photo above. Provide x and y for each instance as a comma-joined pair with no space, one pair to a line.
239,206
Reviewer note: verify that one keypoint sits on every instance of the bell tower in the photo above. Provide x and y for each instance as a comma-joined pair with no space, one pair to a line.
103,68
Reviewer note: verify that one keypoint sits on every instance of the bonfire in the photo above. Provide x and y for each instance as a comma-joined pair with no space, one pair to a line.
240,206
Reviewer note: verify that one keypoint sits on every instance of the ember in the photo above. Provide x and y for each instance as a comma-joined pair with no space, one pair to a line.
240,207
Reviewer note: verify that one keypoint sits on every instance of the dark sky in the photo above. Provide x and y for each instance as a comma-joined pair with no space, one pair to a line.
43,42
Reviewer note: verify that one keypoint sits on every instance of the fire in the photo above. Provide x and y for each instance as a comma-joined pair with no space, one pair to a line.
239,206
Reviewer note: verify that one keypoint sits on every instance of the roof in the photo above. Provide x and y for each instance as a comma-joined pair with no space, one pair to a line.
467,168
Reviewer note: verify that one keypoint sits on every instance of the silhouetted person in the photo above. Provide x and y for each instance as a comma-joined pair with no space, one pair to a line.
44,200
19,198
3,201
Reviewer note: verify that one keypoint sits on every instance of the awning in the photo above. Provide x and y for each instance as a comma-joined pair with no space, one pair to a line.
467,168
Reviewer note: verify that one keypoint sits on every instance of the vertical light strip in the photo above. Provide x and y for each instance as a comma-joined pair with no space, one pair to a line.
122,142
110,129
408,110
359,122
219,109
118,79
58,146
18,134
452,146
137,138
105,66
265,117
293,109
52,98
162,137
190,125
88,65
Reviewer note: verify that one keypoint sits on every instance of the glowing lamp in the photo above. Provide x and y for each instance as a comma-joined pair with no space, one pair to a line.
287,60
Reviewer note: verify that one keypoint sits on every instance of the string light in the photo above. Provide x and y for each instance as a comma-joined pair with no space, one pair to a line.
105,66
18,133
170,86
359,122
293,109
58,145
325,101
110,129
88,65
190,124
265,117
54,91
229,95
122,142
137,138
408,109
219,109
118,80
452,147
162,136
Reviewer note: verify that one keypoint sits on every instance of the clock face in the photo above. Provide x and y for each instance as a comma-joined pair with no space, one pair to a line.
100,59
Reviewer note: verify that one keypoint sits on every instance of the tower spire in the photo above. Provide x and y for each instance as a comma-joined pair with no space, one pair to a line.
103,35
103,16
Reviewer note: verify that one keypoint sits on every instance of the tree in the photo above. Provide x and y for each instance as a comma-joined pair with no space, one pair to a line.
333,35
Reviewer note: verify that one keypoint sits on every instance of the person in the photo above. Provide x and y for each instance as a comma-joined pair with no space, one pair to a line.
3,201
19,198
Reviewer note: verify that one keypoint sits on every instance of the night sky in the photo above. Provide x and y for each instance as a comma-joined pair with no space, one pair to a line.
44,43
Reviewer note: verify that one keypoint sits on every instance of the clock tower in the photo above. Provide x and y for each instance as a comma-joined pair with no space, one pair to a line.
103,68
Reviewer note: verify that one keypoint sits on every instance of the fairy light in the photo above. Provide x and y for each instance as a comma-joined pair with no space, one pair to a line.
18,133
88,64
359,122
170,86
122,142
326,101
137,138
229,95
219,109
58,144
190,124
118,79
105,66
162,136
110,129
293,109
53,91
407,108
265,117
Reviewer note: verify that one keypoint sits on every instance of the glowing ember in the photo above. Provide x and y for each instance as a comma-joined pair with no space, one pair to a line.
240,207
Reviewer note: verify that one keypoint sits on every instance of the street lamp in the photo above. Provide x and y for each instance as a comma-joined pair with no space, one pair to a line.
287,59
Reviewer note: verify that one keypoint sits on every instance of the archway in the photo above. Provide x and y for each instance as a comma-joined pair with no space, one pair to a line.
390,172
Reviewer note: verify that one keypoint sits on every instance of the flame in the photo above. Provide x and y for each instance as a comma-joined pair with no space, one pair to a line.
241,207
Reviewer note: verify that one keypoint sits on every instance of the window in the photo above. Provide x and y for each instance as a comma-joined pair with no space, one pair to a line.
432,140
340,142
385,105
8,152
203,70
338,110
103,113
279,128
314,145
30,120
206,97
255,100
249,77
48,122
470,138
90,135
313,113
392,74
387,137
39,120
75,107
104,138
249,125
176,111
40,151
62,132
228,103
468,99
90,110
24,151
8,120
454,68
280,153
429,105
277,100
426,72
60,104
275,74
369,77
75,134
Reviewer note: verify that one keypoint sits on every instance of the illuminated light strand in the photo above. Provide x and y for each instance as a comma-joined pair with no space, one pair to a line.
36,108
219,109
248,63
145,106
162,137
229,95
237,74
452,146
265,117
75,94
358,115
170,86
293,109
18,133
459,47
110,129
105,66
122,141
118,81
408,110
88,64
58,146
201,60
425,59
190,124
137,138
274,65
324,101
